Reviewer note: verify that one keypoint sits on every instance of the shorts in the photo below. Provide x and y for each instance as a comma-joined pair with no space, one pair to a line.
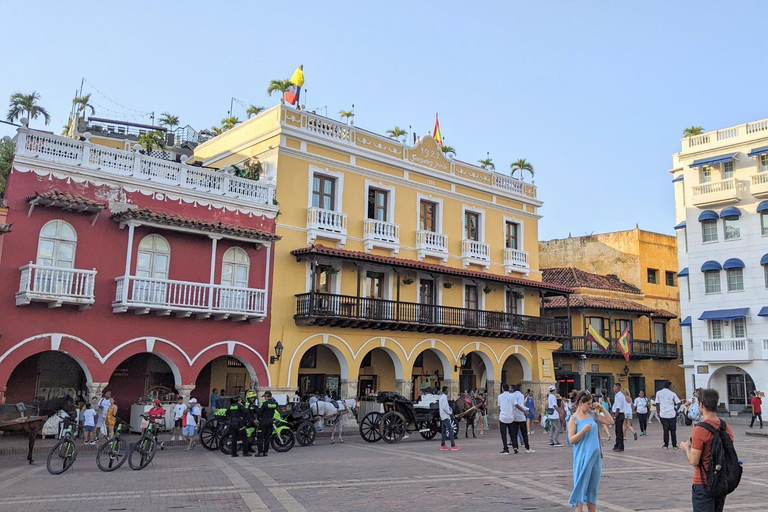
628,416
177,423
188,431
89,428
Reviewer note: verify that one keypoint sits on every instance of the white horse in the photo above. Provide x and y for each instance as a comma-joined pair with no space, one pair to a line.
336,411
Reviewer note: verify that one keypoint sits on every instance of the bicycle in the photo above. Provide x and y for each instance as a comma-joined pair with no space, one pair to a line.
64,452
145,448
113,452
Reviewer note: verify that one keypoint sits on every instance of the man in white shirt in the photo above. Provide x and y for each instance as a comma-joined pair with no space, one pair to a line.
641,407
506,417
446,413
619,404
518,420
666,405
554,418
178,413
104,404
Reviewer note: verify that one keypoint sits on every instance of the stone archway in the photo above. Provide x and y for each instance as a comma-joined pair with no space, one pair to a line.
143,376
431,369
47,374
381,370
734,384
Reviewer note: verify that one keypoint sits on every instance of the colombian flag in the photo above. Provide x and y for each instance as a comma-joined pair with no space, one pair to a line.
623,343
594,337
436,134
294,91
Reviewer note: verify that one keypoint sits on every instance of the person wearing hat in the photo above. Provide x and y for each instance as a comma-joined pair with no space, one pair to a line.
157,415
236,415
554,417
252,409
265,418
191,420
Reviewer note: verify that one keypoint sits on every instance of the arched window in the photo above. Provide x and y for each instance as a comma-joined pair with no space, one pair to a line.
56,247
154,257
235,267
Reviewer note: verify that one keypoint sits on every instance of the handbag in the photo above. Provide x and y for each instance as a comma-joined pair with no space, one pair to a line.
550,410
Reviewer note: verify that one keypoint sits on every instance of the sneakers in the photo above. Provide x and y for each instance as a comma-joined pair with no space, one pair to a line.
532,432
675,447
530,451
558,444
635,436
455,448
551,444
504,452
665,447
445,448
515,450
173,438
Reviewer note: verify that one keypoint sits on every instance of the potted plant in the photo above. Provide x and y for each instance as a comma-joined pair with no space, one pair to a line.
331,271
487,289
408,280
517,294
447,285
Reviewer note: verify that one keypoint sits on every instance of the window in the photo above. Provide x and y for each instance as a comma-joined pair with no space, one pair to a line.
56,247
153,257
727,170
764,222
324,278
731,227
763,162
600,324
706,174
374,282
653,276
712,281
715,329
511,301
620,325
428,216
377,204
735,279
512,233
471,226
659,332
235,267
471,296
709,230
739,328
670,276
323,192
765,271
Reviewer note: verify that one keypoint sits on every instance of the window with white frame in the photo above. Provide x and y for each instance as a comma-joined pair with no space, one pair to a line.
511,301
709,230
472,226
57,244
512,235
712,281
735,279
706,174
715,329
739,328
764,162
153,257
764,222
235,268
428,215
323,192
727,170
731,228
378,204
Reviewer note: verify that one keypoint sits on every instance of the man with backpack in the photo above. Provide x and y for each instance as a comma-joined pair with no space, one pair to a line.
717,470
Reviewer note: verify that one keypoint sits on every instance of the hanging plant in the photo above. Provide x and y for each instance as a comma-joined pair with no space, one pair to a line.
447,285
407,280
487,289
517,294
331,271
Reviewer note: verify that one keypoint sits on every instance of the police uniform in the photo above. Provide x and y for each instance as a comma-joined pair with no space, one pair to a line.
252,411
236,416
265,418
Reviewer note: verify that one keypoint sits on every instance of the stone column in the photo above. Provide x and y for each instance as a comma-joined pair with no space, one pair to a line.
453,388
94,389
494,390
185,391
404,387
540,390
349,390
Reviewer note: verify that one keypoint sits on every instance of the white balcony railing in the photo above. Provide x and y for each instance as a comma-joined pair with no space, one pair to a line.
726,349
759,185
515,259
381,233
429,243
85,155
56,286
720,138
186,298
475,252
715,192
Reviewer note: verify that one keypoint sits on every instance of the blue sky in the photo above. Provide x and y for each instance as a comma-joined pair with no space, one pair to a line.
594,94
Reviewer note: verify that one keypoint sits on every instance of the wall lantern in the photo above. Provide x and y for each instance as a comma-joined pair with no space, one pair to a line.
462,360
626,370
278,353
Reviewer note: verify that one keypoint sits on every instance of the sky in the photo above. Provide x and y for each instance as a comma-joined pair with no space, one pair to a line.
595,94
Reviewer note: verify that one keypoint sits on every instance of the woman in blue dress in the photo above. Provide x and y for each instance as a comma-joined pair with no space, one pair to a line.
584,436
530,403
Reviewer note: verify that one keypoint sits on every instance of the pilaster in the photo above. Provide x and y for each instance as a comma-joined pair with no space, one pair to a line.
94,389
348,388
494,390
185,391
404,387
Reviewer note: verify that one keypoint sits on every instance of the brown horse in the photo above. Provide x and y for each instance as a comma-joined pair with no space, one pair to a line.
31,428
466,407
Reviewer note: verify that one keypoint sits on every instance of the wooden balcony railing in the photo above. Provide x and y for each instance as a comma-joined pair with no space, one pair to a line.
361,312
638,349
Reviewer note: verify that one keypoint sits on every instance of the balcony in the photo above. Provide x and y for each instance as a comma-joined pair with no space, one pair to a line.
56,286
516,261
364,313
716,193
475,253
379,233
184,299
638,349
323,223
759,185
724,350
429,243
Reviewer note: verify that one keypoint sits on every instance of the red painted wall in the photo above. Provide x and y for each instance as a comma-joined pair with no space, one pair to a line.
103,246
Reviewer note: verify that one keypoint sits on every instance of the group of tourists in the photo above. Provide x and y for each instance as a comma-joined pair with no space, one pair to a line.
98,417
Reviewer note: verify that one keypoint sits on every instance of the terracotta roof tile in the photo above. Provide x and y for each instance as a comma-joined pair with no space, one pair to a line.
171,219
575,278
593,302
429,267
66,201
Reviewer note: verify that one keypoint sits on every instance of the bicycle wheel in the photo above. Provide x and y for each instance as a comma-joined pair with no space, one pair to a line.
142,453
61,457
112,455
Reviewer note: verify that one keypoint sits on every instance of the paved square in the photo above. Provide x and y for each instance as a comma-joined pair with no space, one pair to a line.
411,475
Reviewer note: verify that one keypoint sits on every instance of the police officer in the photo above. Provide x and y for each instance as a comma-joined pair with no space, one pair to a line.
236,416
266,415
252,409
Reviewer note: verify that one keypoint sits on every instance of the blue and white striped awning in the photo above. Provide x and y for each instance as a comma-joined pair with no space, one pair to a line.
679,178
711,265
763,312
733,263
731,211
724,314
762,206
682,225
713,160
708,215
685,322
683,273
758,151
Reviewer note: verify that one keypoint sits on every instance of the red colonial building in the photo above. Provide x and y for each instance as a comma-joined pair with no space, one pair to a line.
131,273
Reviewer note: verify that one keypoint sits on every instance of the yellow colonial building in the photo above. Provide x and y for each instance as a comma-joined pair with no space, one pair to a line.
398,268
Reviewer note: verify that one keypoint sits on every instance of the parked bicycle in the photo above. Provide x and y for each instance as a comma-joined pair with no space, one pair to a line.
63,454
113,452
144,450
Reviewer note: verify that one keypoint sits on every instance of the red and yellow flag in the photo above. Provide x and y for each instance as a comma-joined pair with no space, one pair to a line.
436,134
294,90
623,343
594,337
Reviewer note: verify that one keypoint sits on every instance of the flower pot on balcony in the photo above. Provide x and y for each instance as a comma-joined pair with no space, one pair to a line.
447,285
487,290
407,280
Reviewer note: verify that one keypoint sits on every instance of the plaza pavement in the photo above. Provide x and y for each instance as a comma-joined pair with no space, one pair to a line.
357,476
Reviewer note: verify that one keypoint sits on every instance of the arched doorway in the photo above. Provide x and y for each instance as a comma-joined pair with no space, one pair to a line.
734,385
319,371
228,375
476,369
46,375
379,371
429,370
142,378
512,372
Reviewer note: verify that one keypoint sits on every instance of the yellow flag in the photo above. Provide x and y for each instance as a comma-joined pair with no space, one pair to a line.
298,77
594,336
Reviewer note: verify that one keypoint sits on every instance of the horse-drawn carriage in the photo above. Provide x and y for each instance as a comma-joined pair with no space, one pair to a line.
398,416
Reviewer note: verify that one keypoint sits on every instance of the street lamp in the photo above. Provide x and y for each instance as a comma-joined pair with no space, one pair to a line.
462,360
278,353
626,370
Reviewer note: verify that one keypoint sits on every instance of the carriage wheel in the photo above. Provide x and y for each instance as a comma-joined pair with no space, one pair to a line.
433,426
392,427
455,427
369,427
210,434
306,433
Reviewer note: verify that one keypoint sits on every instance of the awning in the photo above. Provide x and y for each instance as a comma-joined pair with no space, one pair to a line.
724,314
763,312
679,178
681,225
762,206
733,263
708,215
710,265
764,259
713,160
683,273
685,322
731,211
758,151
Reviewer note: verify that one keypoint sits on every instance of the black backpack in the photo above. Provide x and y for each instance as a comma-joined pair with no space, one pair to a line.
724,473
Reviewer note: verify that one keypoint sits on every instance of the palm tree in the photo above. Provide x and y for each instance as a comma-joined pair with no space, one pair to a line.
396,132
347,115
253,110
229,122
693,131
278,85
151,139
83,103
215,130
25,105
7,148
521,165
448,150
487,163
168,120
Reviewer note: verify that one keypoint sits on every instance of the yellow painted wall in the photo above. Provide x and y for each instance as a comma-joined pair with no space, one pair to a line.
219,371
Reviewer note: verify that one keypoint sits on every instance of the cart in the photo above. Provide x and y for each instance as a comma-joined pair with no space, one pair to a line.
399,416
